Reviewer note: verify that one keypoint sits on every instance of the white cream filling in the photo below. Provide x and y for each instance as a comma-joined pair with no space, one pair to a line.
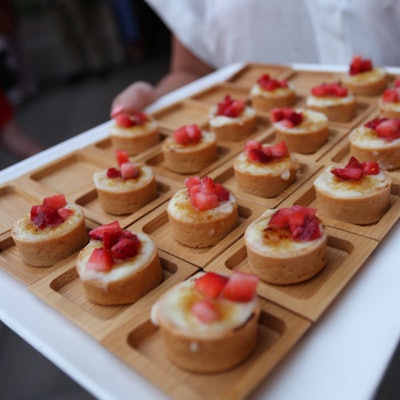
329,101
312,121
257,90
367,77
366,138
180,207
121,269
327,182
102,181
207,138
138,130
221,120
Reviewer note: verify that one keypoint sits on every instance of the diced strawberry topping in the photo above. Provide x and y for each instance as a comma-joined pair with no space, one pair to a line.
211,284
113,172
187,134
354,170
385,128
391,95
204,193
301,222
100,260
125,248
56,202
51,212
125,120
122,156
359,65
98,233
241,287
229,107
205,311
329,89
129,170
257,152
287,116
269,84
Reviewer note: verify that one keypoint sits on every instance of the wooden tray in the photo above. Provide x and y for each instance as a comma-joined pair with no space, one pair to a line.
288,312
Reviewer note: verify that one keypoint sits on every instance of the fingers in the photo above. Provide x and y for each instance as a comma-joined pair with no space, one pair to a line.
133,99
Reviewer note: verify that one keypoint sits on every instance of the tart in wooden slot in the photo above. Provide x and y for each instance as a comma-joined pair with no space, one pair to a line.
377,140
357,193
365,79
126,189
189,149
265,170
304,131
286,246
134,133
389,102
209,323
231,120
333,100
51,231
268,93
118,266
202,213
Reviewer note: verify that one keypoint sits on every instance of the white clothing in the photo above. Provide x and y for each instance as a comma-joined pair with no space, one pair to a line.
222,32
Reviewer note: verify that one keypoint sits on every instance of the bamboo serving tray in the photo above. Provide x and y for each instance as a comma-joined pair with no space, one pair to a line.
288,311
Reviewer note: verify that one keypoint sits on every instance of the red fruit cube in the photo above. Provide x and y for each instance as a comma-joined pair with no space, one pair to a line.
64,213
390,96
205,201
389,129
139,118
241,287
370,167
279,150
100,260
98,233
181,136
222,193
252,144
110,238
205,311
123,120
194,133
353,174
211,284
259,155
55,202
122,156
129,170
229,107
125,248
192,180
113,172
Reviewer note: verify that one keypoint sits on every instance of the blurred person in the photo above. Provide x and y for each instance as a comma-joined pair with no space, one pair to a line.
211,34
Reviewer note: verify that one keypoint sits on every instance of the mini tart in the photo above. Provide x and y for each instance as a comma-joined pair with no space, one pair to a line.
233,129
368,83
360,202
190,158
44,247
135,139
265,100
200,228
389,109
282,260
366,145
308,136
205,348
337,109
128,280
119,196
267,179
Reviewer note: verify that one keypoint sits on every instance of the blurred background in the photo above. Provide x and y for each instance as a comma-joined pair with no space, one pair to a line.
61,64
63,61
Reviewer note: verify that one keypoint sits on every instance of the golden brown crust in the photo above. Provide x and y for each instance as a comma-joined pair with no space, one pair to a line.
48,251
210,355
265,185
237,131
360,211
337,113
129,289
204,233
304,142
370,88
135,144
267,103
120,203
298,267
189,159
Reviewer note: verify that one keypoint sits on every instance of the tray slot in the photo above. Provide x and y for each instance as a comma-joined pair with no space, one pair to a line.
141,347
310,298
63,290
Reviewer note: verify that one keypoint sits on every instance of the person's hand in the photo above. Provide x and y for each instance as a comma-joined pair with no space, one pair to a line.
134,98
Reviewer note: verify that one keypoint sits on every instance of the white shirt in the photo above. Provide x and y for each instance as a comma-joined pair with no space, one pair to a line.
222,32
